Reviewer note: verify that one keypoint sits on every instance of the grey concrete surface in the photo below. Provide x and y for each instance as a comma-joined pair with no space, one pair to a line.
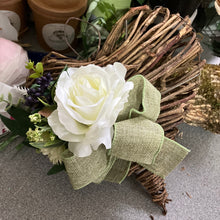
26,192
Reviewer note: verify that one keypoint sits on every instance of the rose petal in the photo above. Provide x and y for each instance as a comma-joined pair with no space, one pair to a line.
69,122
80,149
120,69
104,136
73,114
94,71
89,113
60,130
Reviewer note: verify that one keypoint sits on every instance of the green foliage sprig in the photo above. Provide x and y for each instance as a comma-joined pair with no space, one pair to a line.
38,69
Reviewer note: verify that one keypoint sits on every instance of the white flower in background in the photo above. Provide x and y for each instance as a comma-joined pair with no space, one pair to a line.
16,94
12,63
89,100
6,29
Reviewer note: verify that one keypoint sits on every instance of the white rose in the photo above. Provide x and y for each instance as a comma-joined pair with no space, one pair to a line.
89,100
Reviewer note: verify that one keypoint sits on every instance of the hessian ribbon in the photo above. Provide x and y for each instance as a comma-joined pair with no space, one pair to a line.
137,138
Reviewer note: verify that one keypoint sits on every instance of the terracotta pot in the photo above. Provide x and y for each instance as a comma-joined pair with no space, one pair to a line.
16,11
50,17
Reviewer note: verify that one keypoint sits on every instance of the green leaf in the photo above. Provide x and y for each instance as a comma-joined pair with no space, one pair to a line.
35,86
65,68
109,12
21,122
34,75
9,101
9,140
20,115
1,98
218,26
13,126
56,169
53,90
46,144
10,97
39,68
44,103
30,65
141,1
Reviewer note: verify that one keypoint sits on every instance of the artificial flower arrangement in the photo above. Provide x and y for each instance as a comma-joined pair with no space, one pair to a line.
90,113
92,123
101,119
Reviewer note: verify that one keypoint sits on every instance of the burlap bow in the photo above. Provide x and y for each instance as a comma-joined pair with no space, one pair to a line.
137,138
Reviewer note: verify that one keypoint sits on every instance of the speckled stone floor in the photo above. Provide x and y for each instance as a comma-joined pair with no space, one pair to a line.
26,192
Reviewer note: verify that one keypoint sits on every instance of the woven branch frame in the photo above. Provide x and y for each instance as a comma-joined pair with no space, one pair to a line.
163,47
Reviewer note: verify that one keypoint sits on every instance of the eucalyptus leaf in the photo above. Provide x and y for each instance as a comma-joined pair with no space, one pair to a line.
46,144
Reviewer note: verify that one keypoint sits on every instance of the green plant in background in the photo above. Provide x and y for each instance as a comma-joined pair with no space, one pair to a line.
211,29
103,15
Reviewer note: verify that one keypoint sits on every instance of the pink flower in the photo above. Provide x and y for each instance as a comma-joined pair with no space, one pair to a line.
12,63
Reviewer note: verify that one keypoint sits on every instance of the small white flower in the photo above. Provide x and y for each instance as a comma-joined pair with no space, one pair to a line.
16,93
35,118
89,100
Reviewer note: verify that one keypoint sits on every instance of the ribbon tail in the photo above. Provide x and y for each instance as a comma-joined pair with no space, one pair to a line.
168,158
119,171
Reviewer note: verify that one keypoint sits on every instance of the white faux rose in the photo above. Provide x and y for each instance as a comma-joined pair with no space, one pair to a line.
89,100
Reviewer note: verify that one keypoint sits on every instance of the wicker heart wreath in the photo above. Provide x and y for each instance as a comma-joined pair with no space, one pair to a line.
164,49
